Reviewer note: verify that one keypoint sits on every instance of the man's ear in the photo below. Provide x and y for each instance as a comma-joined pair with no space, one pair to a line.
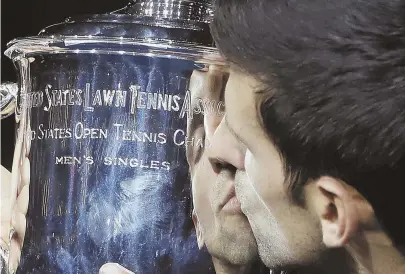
337,210
200,238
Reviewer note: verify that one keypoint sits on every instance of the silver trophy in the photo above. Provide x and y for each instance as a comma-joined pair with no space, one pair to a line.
102,104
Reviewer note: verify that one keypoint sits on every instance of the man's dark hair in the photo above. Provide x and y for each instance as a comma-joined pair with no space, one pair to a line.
333,99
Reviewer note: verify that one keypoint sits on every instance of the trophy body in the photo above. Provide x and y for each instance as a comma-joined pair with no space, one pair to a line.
102,107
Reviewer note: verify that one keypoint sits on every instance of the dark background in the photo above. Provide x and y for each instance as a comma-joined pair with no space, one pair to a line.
27,18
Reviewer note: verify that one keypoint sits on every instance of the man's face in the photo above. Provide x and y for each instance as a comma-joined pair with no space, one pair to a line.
219,222
286,234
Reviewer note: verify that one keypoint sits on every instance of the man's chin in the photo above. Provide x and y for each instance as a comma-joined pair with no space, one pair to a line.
237,229
241,249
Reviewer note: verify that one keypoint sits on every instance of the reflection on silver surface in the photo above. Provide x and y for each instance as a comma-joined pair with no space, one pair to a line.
8,95
105,106
171,9
111,179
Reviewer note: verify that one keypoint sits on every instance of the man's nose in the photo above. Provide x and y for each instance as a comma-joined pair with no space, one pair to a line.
225,150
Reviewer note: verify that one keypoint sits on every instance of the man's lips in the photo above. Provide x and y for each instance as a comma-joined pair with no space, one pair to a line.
232,206
231,203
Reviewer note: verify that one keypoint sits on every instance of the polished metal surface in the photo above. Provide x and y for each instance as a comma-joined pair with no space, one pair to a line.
169,20
171,9
109,175
8,97
103,105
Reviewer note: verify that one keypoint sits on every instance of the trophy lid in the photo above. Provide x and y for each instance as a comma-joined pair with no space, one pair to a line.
195,10
174,20
168,28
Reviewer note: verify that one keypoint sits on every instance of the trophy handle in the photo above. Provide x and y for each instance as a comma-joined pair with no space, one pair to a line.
8,99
